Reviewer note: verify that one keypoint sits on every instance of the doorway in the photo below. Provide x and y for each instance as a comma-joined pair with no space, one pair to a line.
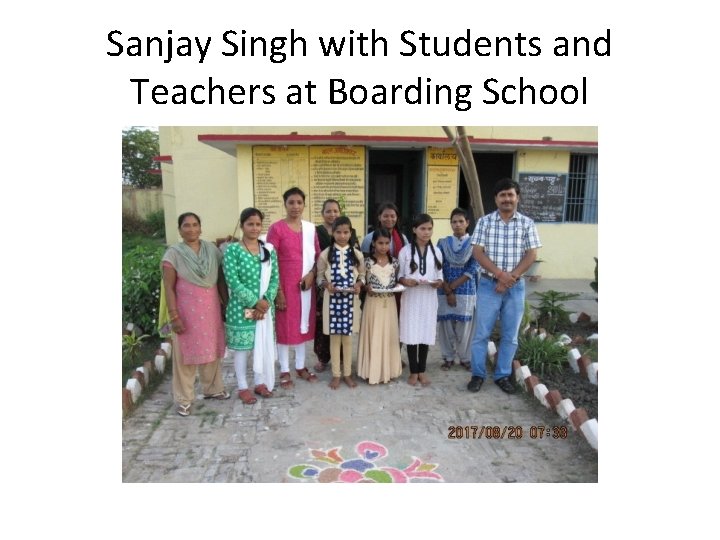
395,176
491,167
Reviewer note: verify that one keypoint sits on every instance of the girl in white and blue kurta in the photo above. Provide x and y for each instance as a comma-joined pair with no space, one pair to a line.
341,272
421,274
251,272
456,298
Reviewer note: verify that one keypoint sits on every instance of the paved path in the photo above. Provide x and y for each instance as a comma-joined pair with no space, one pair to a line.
226,441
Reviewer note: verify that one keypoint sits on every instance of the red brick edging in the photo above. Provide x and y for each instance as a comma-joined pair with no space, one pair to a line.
553,400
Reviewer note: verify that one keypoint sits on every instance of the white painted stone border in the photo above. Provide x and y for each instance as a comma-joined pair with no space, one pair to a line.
133,385
577,418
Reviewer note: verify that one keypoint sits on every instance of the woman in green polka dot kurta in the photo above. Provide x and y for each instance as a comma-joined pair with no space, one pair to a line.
249,306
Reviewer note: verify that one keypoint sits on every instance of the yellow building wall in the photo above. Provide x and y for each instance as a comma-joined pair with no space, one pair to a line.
246,196
201,179
441,228
538,161
568,250
168,183
217,186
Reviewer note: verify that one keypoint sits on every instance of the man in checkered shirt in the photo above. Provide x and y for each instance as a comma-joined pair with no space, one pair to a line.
505,244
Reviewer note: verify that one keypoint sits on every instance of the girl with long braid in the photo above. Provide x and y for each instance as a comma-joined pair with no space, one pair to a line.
421,274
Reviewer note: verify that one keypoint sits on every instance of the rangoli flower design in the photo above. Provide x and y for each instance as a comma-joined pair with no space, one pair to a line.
364,468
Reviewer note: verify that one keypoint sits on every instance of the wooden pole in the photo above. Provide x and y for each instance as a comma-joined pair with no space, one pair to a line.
461,144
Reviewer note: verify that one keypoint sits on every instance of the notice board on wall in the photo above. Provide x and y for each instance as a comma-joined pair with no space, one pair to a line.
338,172
275,170
442,182
322,172
542,196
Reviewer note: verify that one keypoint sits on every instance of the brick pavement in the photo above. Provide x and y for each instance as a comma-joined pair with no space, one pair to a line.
226,441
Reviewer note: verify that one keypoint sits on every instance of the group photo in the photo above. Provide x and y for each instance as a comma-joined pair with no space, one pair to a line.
361,304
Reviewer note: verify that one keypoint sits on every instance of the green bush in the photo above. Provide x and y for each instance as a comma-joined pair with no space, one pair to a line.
527,315
141,286
134,224
541,355
156,223
136,350
132,350
591,350
552,312
130,241
153,225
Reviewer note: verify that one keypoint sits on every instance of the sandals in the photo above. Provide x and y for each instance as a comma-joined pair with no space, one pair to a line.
285,380
262,391
246,397
320,367
306,375
183,410
447,364
466,365
219,395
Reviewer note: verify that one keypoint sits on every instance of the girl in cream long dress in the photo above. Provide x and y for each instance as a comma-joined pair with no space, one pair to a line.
379,347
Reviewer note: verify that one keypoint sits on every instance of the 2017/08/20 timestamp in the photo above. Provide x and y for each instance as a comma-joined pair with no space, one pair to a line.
506,432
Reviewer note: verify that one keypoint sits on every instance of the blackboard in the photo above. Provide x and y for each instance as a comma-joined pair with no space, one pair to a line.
542,196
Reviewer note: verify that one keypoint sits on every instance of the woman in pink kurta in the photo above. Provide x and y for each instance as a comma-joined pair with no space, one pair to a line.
297,249
191,273
203,340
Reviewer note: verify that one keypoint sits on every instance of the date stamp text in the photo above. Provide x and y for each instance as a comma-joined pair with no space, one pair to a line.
506,432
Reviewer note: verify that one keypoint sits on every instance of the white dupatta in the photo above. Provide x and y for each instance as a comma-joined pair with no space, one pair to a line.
308,240
264,349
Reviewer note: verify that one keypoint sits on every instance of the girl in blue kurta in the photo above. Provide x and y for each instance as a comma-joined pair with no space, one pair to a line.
456,298
251,272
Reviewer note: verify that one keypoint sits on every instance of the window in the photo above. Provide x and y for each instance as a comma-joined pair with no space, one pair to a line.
581,195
